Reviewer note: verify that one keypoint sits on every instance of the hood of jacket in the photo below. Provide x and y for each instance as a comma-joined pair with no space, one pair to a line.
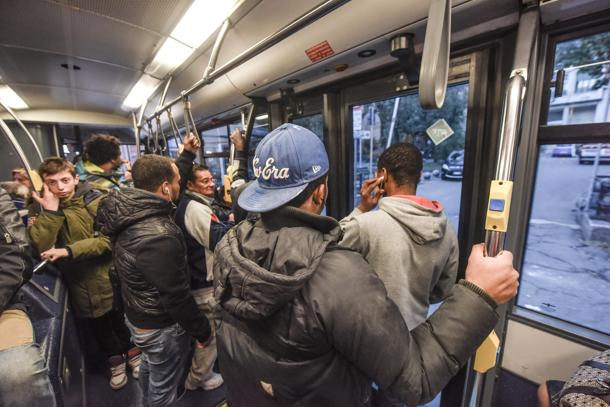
122,209
422,223
261,264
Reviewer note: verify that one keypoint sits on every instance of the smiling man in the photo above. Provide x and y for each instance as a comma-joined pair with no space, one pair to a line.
63,233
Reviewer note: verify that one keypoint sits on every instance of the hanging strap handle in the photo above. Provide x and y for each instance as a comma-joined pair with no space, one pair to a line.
174,126
162,143
434,70
190,125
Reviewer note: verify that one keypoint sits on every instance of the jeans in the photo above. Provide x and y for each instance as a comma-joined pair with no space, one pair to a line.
25,379
203,359
164,353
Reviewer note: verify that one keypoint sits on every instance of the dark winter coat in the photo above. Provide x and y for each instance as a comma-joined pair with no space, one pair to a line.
314,322
16,264
150,258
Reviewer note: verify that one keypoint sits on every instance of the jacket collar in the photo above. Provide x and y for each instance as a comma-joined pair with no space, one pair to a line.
289,217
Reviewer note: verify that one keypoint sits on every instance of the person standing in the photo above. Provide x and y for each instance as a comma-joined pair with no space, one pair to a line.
64,233
149,255
306,322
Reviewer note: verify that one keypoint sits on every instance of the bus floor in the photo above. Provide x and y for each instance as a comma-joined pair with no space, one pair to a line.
99,393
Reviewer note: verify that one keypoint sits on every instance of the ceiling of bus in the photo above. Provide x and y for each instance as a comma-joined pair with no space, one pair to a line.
113,40
110,40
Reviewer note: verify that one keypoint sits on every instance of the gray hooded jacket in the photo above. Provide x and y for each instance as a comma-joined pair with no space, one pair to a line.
411,247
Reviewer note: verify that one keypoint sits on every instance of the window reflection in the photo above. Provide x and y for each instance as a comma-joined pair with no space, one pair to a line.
586,96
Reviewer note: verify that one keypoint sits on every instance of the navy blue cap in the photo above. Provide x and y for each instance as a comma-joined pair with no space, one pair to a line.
285,162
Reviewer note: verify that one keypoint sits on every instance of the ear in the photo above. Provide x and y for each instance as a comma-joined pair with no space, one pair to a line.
319,194
76,178
189,184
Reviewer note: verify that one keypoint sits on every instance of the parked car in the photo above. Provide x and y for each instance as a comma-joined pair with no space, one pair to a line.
563,150
453,167
588,153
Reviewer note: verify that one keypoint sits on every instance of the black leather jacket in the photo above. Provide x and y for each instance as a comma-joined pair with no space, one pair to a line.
149,255
16,262
314,321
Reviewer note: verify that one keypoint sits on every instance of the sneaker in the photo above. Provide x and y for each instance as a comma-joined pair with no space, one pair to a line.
118,377
133,360
214,382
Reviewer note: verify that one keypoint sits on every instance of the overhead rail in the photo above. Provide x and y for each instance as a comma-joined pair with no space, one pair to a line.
498,207
434,71
210,74
20,123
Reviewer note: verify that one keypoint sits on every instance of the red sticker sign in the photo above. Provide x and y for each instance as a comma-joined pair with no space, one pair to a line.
319,51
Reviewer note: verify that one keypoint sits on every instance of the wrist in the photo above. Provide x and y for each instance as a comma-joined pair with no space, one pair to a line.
363,208
484,294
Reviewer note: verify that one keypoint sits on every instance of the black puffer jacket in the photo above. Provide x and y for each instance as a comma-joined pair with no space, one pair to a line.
313,321
149,256
16,262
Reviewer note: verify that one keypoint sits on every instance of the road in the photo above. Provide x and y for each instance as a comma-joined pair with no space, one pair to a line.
563,275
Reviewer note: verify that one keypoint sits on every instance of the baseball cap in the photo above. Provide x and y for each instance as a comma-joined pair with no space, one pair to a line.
285,162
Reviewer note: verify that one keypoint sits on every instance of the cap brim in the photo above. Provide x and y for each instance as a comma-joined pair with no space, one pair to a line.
255,198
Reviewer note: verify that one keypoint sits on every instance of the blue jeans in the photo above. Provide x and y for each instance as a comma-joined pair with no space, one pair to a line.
24,380
164,353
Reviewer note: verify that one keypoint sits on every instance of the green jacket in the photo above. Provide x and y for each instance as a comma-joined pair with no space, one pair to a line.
97,177
86,271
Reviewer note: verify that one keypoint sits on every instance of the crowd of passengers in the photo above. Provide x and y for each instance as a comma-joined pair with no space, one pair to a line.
169,273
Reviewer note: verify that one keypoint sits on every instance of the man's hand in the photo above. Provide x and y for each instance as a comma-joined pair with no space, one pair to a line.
368,201
54,254
48,200
495,275
191,143
238,139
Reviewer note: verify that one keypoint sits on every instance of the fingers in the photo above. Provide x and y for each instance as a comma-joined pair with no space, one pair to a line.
37,197
478,251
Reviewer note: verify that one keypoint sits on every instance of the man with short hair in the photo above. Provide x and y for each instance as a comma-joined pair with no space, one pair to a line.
202,231
408,241
305,322
64,233
101,160
150,258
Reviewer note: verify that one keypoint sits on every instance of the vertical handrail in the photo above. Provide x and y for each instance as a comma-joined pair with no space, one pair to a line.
136,132
500,194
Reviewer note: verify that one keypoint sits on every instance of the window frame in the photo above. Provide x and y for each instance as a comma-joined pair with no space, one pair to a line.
544,134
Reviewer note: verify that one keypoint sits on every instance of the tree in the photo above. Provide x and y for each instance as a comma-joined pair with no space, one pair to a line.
585,50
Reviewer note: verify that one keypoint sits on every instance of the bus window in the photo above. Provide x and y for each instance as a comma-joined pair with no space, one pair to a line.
312,122
378,125
566,268
585,96
216,151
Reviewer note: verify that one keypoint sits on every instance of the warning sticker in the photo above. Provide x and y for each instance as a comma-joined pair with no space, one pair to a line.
439,131
319,51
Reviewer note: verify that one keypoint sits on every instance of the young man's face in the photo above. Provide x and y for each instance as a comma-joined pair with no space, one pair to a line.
62,184
204,184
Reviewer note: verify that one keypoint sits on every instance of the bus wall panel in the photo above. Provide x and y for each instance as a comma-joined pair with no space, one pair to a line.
539,356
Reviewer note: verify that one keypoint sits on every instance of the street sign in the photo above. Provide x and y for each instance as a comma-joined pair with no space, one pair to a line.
439,131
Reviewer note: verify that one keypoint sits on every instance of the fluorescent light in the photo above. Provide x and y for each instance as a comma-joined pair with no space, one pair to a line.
143,88
201,20
11,98
171,55
195,26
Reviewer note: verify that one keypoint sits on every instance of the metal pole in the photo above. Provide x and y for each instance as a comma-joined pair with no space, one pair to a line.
266,43
20,123
509,139
56,141
136,132
216,49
